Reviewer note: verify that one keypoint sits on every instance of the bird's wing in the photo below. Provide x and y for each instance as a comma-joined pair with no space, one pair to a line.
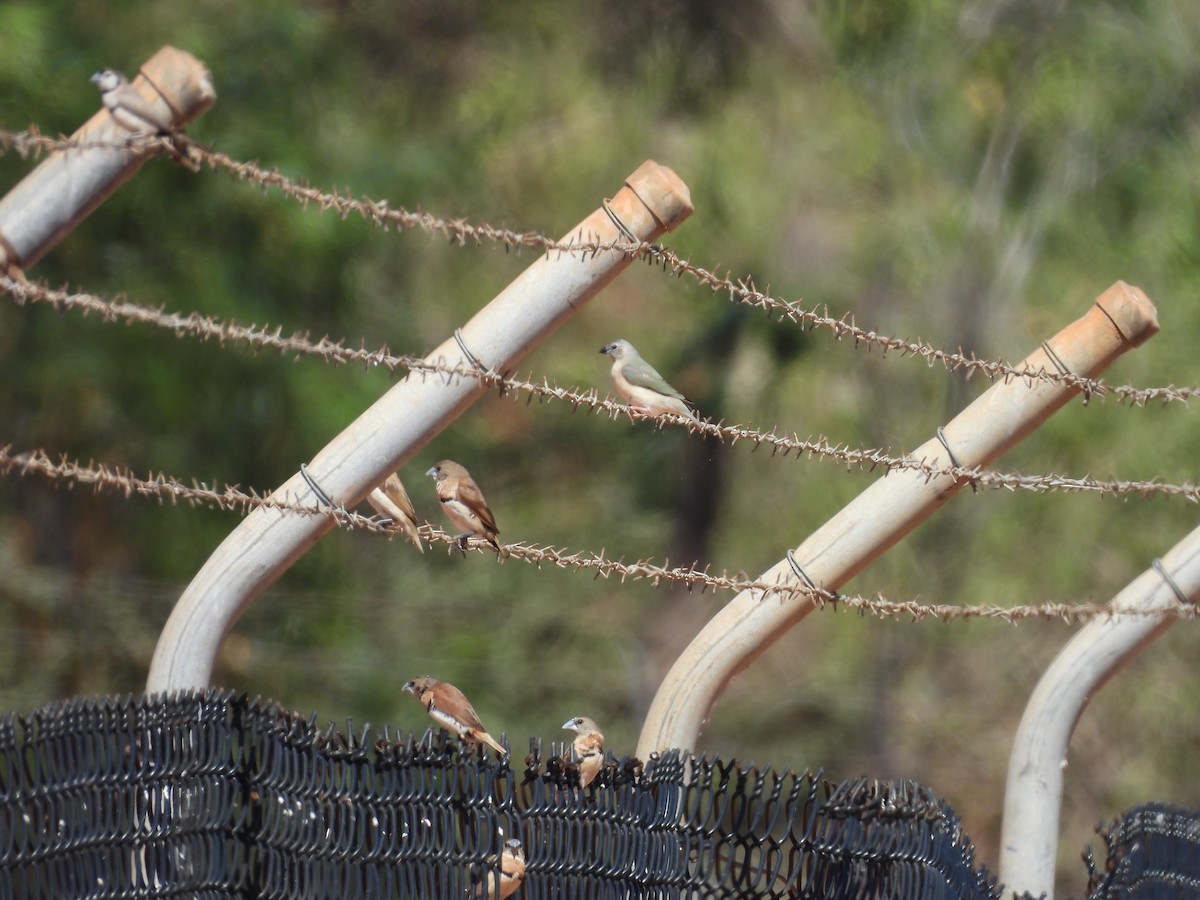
128,97
391,500
454,705
640,373
470,496
394,488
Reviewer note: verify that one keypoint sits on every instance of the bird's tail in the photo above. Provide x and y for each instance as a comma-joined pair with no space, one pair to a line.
493,743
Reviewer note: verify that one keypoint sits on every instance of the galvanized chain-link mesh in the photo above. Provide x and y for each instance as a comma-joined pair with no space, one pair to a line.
213,795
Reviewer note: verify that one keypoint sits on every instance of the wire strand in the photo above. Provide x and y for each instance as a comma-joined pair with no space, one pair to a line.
118,480
781,444
741,290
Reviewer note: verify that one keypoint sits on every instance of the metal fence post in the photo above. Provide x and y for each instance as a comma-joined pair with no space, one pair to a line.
1033,794
267,541
1120,319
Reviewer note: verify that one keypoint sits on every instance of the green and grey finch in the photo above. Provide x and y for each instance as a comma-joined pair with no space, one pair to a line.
127,107
134,113
646,392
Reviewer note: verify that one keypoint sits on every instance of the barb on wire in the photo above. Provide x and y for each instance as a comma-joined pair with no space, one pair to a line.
785,444
739,290
32,142
161,487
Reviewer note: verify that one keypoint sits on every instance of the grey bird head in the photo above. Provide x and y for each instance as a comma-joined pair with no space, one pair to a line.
107,80
619,349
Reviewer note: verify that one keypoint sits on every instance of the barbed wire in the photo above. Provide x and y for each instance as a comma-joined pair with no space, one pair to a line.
461,231
781,444
741,290
119,480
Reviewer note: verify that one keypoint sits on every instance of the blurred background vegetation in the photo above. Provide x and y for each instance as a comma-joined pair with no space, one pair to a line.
970,173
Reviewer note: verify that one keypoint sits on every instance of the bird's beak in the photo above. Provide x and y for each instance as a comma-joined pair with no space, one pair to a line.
569,725
408,686
431,471
96,76
602,349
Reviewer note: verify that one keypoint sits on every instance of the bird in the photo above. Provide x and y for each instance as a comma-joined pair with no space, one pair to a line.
129,109
463,503
503,876
587,748
391,500
646,392
450,708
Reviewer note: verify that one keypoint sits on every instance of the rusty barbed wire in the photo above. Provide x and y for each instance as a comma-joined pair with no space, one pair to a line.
32,143
119,480
741,290
781,444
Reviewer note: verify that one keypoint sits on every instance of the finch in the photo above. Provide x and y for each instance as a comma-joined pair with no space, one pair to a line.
129,108
503,876
134,113
450,708
587,748
391,500
463,503
646,392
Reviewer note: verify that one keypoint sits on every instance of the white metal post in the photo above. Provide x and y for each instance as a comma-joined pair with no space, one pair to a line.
268,541
60,192
1120,319
1033,795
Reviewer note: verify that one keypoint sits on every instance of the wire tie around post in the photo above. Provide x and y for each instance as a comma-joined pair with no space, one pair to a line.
1171,583
1063,368
322,497
626,231
471,357
941,436
808,582
617,221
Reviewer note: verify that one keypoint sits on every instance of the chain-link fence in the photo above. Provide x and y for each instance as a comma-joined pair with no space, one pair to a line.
1152,851
214,795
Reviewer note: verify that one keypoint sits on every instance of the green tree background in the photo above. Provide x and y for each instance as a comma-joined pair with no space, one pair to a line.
971,173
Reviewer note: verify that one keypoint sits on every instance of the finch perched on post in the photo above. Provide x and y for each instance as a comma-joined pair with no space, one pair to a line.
646,392
391,500
127,106
503,876
450,708
463,503
587,748
134,113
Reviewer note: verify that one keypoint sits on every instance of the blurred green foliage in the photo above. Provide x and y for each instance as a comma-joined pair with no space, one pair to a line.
969,173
